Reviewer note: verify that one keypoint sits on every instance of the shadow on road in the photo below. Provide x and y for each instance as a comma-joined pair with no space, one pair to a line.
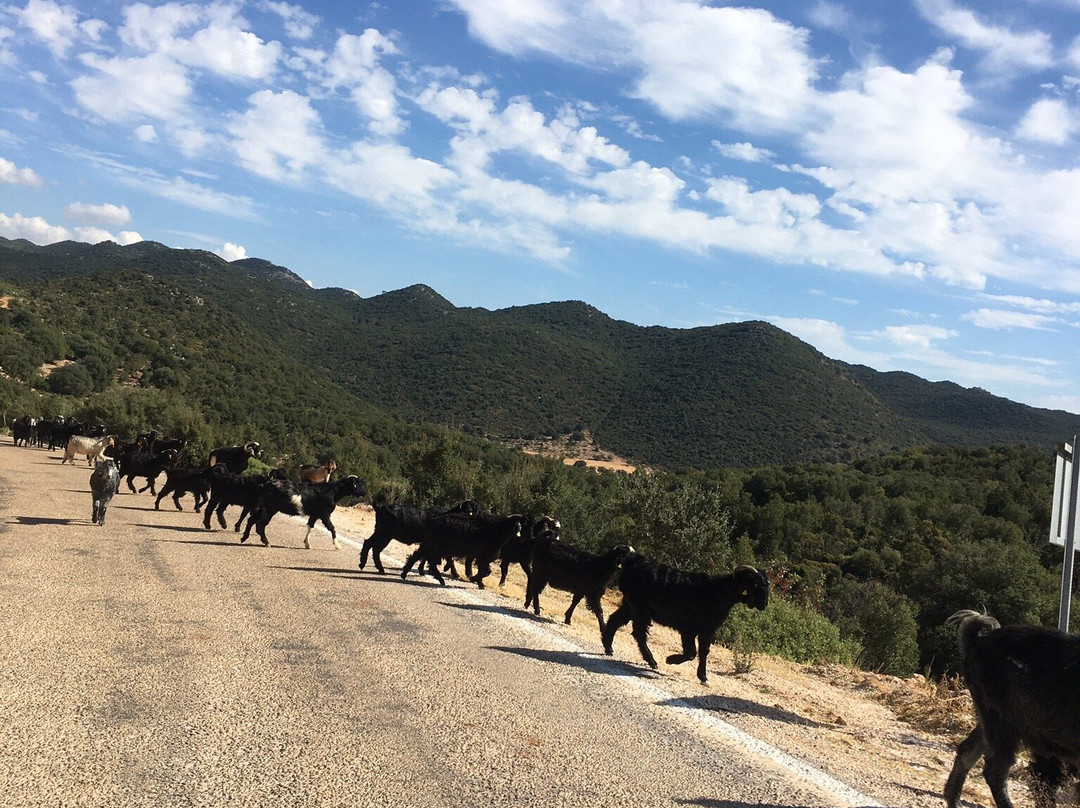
174,528
341,572
711,802
732,706
506,611
577,659
47,520
206,542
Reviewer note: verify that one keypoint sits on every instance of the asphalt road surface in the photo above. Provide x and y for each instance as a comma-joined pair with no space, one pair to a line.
152,663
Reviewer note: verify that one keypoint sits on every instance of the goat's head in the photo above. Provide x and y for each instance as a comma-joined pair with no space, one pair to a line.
355,486
469,507
253,448
751,587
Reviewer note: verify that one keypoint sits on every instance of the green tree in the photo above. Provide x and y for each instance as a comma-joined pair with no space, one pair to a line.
71,380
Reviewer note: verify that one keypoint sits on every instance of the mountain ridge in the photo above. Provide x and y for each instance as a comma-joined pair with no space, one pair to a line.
736,394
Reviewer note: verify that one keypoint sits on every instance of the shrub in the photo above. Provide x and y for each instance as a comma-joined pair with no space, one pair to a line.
71,380
788,631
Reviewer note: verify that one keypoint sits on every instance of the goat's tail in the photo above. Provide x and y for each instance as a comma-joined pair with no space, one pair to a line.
972,625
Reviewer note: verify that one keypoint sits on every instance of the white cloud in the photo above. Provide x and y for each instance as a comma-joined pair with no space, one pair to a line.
354,67
1049,120
122,89
278,136
216,39
55,25
299,24
146,133
31,228
1000,319
692,61
917,336
37,230
747,152
1003,49
232,252
13,175
1038,305
106,214
191,194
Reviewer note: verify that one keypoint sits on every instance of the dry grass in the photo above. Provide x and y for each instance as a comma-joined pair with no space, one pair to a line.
942,706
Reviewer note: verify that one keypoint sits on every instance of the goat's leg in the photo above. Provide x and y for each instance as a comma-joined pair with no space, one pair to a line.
593,602
245,511
689,649
414,556
532,593
208,511
130,484
996,767
372,546
483,570
261,521
619,618
641,634
574,601
251,522
967,755
705,641
221,515
176,499
329,526
504,568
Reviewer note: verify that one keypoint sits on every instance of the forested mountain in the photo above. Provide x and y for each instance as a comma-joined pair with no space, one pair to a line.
730,395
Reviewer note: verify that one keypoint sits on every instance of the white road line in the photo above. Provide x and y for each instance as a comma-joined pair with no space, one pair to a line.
843,793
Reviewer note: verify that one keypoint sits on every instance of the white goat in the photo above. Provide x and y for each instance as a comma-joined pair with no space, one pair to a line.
93,448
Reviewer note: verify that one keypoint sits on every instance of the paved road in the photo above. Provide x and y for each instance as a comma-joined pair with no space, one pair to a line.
152,663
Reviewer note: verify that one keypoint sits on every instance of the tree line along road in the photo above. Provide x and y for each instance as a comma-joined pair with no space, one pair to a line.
149,662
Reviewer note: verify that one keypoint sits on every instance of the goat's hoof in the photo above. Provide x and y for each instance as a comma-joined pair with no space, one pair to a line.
266,542
609,651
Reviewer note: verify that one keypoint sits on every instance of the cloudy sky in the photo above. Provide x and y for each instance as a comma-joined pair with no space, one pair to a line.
898,184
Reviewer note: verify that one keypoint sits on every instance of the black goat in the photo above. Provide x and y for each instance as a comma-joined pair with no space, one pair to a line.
144,464
187,480
104,483
1023,683
692,603
25,431
478,537
228,489
235,458
520,550
316,501
403,523
583,575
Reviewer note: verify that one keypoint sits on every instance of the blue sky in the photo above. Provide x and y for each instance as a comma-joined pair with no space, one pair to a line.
898,184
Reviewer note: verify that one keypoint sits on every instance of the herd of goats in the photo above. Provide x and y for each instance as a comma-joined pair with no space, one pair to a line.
1024,680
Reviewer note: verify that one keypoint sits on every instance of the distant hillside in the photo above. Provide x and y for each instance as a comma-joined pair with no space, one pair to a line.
732,395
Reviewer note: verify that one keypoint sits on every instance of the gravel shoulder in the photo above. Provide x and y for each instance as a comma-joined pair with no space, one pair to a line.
150,662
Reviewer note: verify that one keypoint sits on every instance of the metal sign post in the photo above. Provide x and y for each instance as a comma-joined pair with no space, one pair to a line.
1063,517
